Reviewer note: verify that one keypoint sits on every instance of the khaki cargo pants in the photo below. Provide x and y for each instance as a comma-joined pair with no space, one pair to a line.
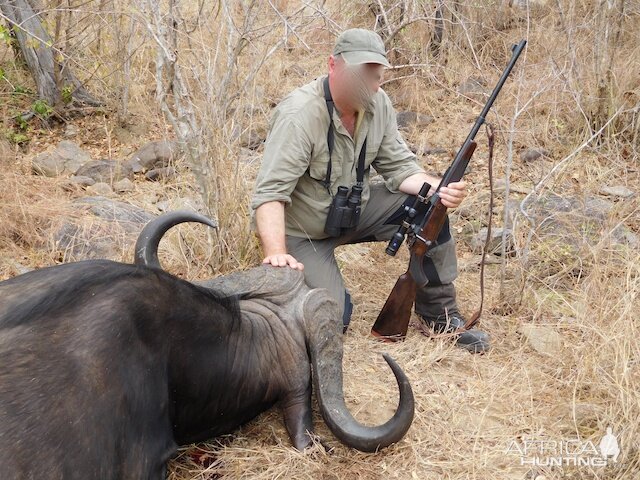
378,222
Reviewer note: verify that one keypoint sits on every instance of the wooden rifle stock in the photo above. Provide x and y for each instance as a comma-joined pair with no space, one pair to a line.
390,324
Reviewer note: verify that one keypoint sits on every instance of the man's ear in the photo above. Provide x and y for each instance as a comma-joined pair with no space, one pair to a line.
331,63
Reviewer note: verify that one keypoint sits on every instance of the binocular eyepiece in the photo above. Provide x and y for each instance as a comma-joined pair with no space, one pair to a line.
344,213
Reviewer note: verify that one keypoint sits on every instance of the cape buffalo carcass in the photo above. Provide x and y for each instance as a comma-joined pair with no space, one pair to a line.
106,367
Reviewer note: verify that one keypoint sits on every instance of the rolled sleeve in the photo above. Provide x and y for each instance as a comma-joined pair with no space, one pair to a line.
286,157
394,161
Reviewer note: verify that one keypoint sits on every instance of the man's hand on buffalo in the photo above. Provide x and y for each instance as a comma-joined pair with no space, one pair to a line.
270,223
282,260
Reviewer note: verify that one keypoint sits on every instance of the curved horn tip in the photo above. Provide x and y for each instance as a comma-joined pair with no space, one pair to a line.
146,248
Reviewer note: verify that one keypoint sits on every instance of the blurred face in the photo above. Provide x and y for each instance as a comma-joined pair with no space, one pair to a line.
356,84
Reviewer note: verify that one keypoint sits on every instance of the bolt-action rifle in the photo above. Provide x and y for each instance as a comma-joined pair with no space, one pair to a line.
421,225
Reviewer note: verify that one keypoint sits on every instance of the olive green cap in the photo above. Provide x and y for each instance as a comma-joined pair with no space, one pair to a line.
358,46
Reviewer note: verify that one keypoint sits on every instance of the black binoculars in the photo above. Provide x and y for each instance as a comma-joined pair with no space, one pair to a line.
344,213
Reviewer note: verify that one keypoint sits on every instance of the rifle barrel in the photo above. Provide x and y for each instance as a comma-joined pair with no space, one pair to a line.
517,50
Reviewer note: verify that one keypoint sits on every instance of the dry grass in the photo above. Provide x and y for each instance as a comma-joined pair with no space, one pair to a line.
468,408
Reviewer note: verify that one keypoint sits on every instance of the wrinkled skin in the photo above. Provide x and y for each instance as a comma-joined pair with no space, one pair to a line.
106,367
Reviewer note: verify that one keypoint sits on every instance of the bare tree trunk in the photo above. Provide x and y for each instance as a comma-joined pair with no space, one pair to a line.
438,29
40,57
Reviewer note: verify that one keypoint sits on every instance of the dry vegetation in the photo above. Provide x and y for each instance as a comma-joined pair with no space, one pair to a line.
212,80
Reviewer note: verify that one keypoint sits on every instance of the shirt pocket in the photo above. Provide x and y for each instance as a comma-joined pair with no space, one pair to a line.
318,168
371,155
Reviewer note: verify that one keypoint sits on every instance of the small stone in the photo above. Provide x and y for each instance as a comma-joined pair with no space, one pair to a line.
597,208
100,188
409,119
164,173
495,242
248,156
105,170
500,185
135,165
6,151
473,87
435,151
82,180
181,203
155,154
542,339
163,205
123,135
617,191
296,69
18,267
531,154
251,140
71,130
622,235
124,185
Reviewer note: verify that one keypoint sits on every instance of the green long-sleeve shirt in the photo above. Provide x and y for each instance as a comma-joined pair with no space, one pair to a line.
296,157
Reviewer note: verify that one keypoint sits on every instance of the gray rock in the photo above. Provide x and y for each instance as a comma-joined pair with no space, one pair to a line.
154,154
181,203
74,183
100,188
542,339
114,211
123,135
622,235
248,156
251,140
617,191
495,241
82,180
595,208
124,185
435,151
296,70
530,4
531,154
409,119
18,267
157,174
66,158
569,415
513,210
107,171
569,214
549,205
566,229
99,228
473,87
135,165
6,150
71,130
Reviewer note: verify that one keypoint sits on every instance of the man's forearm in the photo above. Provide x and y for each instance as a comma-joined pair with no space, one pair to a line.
451,195
270,224
412,185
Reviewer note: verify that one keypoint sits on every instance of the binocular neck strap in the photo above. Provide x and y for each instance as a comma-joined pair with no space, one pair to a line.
331,141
